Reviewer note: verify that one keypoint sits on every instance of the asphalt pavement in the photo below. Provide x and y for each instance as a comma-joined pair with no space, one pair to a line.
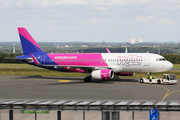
40,87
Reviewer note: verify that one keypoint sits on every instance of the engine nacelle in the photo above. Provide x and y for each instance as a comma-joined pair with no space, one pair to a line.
102,74
125,73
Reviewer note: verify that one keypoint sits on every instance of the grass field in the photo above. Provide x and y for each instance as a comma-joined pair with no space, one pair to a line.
176,66
29,70
3,65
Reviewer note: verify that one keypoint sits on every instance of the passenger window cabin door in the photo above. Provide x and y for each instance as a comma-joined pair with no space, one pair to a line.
146,60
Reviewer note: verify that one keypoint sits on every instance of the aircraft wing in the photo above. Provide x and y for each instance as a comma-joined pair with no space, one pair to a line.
85,68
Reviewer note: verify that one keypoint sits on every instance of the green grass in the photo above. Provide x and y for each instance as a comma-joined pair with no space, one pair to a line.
29,70
176,66
37,72
7,65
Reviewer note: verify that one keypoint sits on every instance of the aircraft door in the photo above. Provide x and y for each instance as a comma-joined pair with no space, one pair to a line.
146,61
43,59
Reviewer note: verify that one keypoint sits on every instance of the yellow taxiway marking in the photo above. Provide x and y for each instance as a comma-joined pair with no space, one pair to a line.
64,81
169,93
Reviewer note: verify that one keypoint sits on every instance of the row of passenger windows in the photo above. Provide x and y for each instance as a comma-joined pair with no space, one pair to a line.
125,60
98,60
158,59
75,60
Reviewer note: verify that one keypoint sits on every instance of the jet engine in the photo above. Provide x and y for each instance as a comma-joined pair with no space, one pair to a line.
102,74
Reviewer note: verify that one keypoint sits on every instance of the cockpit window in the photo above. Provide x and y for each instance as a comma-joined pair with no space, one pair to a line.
161,59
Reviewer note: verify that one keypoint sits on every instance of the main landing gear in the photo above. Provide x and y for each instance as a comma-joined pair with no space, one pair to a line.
87,79
149,73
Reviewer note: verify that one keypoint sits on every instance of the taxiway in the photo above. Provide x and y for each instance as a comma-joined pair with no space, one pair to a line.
39,87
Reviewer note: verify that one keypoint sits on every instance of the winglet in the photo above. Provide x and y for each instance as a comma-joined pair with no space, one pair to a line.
35,60
108,51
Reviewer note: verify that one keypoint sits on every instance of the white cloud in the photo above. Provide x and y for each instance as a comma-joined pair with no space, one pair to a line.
155,20
166,21
122,2
39,3
92,21
19,3
103,8
70,28
54,28
144,19
45,3
97,17
71,2
53,21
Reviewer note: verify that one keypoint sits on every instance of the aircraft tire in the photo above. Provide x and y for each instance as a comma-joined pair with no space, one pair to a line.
87,79
141,80
158,82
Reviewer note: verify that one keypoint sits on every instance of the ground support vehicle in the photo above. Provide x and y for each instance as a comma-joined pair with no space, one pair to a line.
167,79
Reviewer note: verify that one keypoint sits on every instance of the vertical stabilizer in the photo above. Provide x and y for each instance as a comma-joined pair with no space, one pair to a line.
29,45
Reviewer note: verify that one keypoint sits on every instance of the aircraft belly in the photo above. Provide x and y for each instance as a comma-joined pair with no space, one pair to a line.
131,69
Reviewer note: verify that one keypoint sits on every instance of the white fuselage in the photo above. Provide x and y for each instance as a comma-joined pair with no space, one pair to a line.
136,62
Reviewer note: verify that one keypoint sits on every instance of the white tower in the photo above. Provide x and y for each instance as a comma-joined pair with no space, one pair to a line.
140,39
133,41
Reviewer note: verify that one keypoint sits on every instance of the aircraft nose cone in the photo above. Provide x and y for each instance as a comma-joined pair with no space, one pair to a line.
169,66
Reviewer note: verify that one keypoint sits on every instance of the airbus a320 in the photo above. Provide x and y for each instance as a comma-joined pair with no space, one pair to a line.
97,65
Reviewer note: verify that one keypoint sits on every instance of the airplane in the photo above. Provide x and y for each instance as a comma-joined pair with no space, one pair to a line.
97,65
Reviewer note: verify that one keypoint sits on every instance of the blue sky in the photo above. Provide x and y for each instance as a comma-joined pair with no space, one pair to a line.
91,20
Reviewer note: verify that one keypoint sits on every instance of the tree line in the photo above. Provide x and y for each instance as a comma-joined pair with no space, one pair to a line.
8,58
173,58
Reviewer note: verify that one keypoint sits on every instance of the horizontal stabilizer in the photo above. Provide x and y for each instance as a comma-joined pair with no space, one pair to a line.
18,58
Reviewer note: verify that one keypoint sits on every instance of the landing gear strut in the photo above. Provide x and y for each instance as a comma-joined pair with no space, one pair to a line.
149,74
87,79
